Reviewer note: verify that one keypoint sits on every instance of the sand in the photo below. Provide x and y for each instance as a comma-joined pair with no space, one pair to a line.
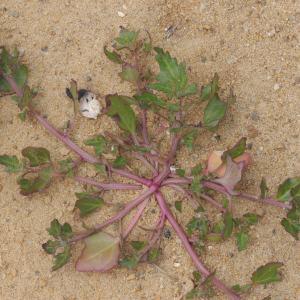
253,45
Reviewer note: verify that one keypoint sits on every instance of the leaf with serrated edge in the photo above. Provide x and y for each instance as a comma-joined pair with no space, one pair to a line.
100,254
12,164
120,107
284,189
267,273
36,155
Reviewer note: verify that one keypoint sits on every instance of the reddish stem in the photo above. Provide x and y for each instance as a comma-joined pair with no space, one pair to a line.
135,218
118,216
198,263
107,186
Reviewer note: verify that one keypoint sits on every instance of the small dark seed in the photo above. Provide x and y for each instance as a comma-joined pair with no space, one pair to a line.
167,233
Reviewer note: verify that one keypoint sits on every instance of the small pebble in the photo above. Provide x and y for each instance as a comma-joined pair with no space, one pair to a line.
276,87
167,233
21,52
271,33
131,277
254,116
176,264
14,14
121,14
44,49
64,151
88,78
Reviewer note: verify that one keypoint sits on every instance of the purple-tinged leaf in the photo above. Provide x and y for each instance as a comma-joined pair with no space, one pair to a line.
100,254
232,176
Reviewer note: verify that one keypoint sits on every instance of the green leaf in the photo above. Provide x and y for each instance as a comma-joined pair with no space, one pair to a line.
100,254
180,172
113,56
189,139
50,246
196,185
147,47
197,277
172,79
98,142
129,262
62,258
153,255
178,205
55,229
22,115
237,150
284,189
241,289
197,170
267,273
37,184
211,89
118,106
66,166
87,203
229,224
218,227
100,168
21,75
263,188
251,218
36,155
242,240
214,112
147,100
138,245
73,90
292,227
66,231
129,74
12,164
198,224
126,39
24,102
120,162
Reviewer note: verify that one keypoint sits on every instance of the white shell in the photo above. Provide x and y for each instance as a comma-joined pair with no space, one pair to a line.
89,106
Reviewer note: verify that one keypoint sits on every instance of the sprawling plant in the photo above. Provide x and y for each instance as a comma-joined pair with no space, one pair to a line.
170,99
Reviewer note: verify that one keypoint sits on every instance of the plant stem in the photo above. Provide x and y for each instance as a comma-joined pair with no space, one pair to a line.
213,202
198,263
67,141
118,216
156,235
135,218
107,186
270,201
194,202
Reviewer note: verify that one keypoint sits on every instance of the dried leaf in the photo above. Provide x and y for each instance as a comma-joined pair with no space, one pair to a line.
100,254
233,175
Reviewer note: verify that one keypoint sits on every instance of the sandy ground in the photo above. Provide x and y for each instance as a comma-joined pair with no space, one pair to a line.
254,47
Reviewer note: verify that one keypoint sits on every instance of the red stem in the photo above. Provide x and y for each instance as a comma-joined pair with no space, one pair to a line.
118,216
135,218
198,263
107,186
